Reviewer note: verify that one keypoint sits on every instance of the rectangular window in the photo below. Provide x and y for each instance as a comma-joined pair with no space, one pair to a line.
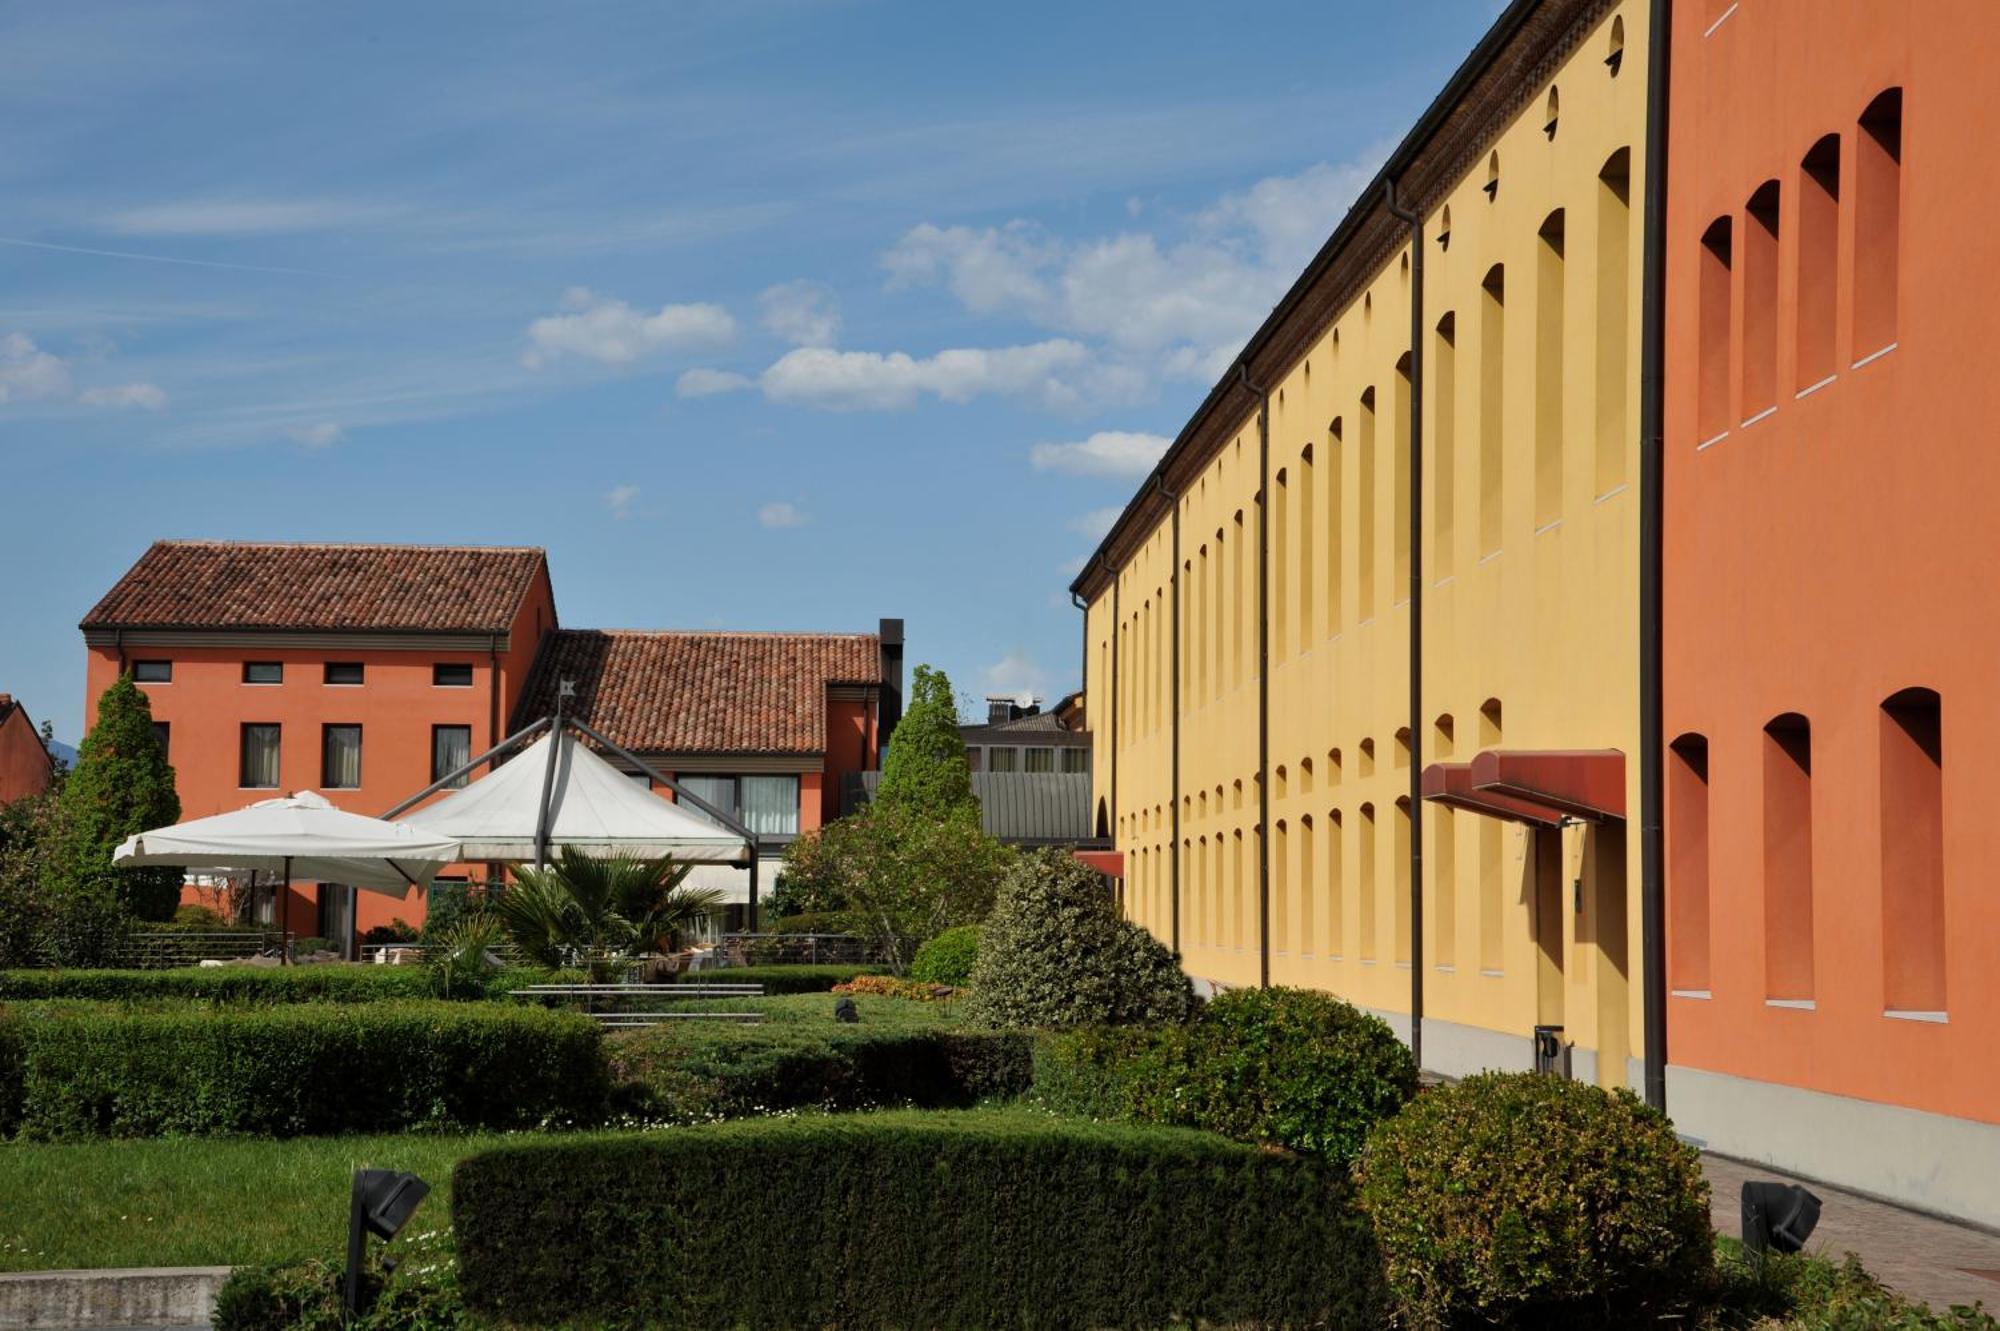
1336,528
1687,863
1404,952
1365,881
1878,205
1308,939
263,672
1819,262
1075,759
1281,887
343,672
719,791
1281,572
259,768
1305,527
451,675
1788,869
1549,337
1718,258
1367,501
1614,281
1038,760
1400,481
1336,884
451,749
972,756
770,804
1760,301
1444,445
340,757
152,672
1913,853
1002,760
1492,406
1444,885
163,732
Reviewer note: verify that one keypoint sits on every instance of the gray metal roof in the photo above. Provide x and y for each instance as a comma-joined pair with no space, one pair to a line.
1019,808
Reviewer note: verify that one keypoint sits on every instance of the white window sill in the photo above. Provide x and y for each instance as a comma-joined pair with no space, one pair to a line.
1692,993
1796,1004
1935,1018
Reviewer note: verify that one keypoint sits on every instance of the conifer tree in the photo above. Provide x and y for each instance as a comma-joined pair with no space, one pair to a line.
926,771
122,784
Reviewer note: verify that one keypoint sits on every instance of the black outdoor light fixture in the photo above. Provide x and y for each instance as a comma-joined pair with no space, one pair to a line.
383,1202
1777,1217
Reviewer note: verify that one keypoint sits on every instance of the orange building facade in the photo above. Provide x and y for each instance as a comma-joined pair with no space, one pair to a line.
25,765
1829,552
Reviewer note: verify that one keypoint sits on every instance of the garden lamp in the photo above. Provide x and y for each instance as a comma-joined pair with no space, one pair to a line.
1777,1216
382,1203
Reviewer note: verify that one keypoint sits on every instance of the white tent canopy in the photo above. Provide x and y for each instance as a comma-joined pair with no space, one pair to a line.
593,807
300,836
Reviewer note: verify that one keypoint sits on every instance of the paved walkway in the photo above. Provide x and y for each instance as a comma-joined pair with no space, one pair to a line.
1919,1256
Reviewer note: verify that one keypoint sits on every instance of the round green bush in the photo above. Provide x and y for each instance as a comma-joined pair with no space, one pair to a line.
948,958
1526,1200
1054,954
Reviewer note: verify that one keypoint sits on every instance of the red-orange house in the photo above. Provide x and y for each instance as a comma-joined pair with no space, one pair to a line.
367,672
25,765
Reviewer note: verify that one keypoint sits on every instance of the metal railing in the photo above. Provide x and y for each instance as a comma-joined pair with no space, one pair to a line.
800,949
164,949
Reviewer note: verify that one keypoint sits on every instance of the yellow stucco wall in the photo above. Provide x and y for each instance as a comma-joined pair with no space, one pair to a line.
1530,610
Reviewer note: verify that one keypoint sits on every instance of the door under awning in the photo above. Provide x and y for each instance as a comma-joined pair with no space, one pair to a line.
1539,787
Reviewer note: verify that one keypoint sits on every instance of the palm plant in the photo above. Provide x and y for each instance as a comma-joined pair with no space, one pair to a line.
599,913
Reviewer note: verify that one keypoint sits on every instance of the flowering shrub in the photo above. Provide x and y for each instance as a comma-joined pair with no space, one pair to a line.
888,986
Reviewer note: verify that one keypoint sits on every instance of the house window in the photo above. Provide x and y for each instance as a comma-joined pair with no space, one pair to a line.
1002,760
1366,502
1492,401
1614,282
451,675
343,672
1400,479
1687,863
1402,876
1760,301
340,757
152,672
1878,187
1038,760
1819,261
770,804
1913,853
1365,876
263,672
1076,760
1718,257
451,749
1549,287
259,769
162,732
1788,869
1444,458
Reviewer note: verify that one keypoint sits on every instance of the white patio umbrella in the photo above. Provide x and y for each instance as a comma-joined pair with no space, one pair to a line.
301,834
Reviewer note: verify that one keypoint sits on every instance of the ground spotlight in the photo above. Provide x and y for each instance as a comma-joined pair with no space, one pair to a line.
1777,1217
382,1203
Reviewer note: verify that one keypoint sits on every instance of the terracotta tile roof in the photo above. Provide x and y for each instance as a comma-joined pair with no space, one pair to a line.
336,588
666,692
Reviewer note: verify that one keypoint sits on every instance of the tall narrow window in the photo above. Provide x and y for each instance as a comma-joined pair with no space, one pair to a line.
1364,874
1197,656
1878,206
1336,885
1913,853
1366,499
1281,887
1788,876
1308,887
1238,895
1306,537
1336,527
1441,869
1819,262
1718,258
1613,332
259,757
1444,456
1492,404
1400,404
1549,283
1760,301
1281,571
451,749
1491,867
1687,863
1402,880
340,757
1243,600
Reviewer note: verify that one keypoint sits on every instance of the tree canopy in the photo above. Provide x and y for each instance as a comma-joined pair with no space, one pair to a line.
926,770
122,784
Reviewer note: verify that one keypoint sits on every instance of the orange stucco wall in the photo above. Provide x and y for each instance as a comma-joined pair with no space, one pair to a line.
1840,549
24,764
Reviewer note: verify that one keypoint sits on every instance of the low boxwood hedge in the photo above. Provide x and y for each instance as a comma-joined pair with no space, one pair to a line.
978,1218
240,985
692,1073
104,1070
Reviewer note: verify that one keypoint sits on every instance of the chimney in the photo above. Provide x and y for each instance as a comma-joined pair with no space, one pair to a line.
891,634
999,710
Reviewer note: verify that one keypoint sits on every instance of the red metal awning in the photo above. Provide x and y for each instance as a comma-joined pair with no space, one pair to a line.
1110,863
1581,783
1450,784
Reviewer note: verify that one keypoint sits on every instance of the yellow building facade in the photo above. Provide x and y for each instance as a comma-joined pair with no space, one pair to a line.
1420,457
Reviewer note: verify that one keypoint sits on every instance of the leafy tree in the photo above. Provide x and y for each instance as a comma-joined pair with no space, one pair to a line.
926,768
122,784
601,913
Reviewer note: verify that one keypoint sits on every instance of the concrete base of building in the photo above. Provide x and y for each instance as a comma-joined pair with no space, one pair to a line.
68,1300
1928,1162
1452,1049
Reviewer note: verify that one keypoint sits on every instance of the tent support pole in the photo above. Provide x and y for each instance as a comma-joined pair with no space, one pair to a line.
448,778
549,778
285,923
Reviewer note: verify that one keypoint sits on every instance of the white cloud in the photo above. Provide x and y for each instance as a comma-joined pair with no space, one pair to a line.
806,314
701,382
619,500
612,332
1015,675
321,434
781,514
1097,523
1106,453
150,396
1055,373
28,373
242,217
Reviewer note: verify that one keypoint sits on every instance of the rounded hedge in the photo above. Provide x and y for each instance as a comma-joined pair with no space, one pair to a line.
1054,954
948,958
1514,1198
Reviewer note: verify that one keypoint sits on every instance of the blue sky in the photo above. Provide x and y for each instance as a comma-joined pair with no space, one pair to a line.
756,315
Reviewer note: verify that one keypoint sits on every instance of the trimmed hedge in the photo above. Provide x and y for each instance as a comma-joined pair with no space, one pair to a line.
1518,1199
237,986
780,979
982,1218
686,1075
948,958
96,1070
